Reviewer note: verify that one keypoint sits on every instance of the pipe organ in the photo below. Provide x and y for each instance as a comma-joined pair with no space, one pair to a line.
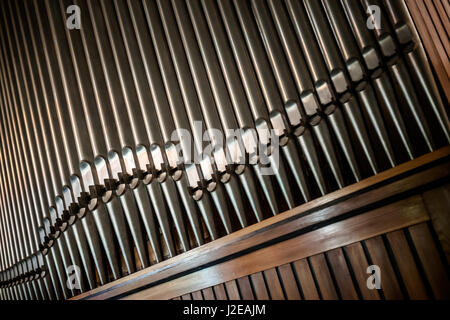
254,149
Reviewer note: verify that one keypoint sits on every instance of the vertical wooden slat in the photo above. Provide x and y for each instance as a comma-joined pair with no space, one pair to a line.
434,35
442,14
186,297
380,257
232,290
359,265
406,265
431,261
342,274
432,48
274,285
306,280
197,295
208,294
288,282
438,25
323,277
219,290
437,202
245,288
260,286
447,7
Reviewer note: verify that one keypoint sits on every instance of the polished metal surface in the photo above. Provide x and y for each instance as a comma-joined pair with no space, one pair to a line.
135,130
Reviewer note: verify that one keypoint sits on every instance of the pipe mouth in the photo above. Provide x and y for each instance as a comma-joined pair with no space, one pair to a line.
324,92
339,81
346,97
225,177
355,70
329,110
162,176
377,74
197,194
240,168
371,58
211,186
93,204
404,34
315,120
121,189
361,86
387,45
177,174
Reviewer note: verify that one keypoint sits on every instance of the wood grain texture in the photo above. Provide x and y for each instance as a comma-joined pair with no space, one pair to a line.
431,261
260,286
232,290
407,266
186,297
437,202
359,265
197,295
288,282
342,274
273,284
245,288
432,41
208,294
323,277
220,292
306,279
389,283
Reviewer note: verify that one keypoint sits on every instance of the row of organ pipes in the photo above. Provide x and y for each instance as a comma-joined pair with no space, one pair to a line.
91,176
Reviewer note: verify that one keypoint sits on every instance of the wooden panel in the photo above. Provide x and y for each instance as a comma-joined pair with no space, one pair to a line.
334,204
447,7
389,218
306,280
273,284
208,294
197,295
289,283
438,25
232,290
442,14
245,288
379,256
323,277
431,42
260,286
186,297
219,290
359,265
437,202
342,274
431,262
407,266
